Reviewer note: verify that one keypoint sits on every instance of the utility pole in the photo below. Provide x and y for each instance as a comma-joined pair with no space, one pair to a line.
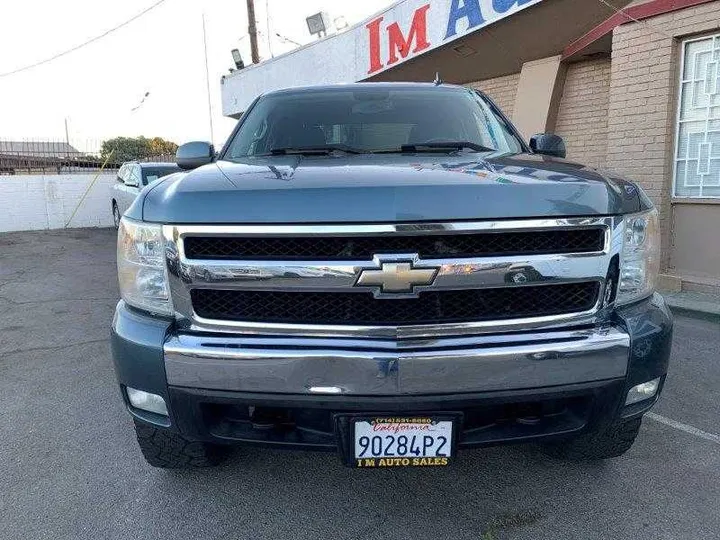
252,30
67,135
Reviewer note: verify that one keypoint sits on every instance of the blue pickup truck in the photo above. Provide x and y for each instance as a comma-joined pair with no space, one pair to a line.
387,271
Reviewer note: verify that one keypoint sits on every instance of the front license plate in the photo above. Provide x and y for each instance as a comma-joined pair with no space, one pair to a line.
403,442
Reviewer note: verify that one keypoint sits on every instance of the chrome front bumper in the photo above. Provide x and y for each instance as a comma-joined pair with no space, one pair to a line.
317,366
424,359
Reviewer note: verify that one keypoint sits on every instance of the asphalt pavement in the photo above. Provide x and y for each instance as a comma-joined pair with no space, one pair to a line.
70,468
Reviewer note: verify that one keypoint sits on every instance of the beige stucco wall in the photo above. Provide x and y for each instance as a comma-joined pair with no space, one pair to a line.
538,94
502,90
583,112
643,94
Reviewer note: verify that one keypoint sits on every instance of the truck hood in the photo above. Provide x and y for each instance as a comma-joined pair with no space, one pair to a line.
376,188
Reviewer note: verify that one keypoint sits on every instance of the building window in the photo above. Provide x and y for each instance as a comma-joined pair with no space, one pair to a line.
697,152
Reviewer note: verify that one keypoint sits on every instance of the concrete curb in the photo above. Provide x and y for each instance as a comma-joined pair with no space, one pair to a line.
694,304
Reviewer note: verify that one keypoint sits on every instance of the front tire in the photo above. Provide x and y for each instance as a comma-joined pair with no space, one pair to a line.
610,442
116,215
169,450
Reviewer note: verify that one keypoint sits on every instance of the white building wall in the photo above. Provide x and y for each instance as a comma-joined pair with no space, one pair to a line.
36,202
345,57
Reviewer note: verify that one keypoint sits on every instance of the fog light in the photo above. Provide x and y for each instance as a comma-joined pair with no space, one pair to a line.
642,391
146,401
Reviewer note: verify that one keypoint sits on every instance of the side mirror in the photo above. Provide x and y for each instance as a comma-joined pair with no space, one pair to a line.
194,154
548,144
119,179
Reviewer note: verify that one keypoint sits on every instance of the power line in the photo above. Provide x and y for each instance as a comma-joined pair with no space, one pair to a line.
267,24
207,80
81,45
282,38
288,40
621,11
142,101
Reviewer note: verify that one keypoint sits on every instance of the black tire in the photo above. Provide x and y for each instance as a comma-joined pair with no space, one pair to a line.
611,442
169,450
116,215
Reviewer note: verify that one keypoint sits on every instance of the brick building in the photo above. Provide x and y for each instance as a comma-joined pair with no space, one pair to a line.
633,87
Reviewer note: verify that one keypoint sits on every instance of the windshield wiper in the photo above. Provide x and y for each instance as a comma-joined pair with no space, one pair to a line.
438,146
315,150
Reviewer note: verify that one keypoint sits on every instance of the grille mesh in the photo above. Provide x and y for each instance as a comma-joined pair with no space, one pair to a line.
432,307
365,247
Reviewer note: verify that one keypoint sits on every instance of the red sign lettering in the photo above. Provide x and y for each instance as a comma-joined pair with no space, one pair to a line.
418,34
374,31
399,46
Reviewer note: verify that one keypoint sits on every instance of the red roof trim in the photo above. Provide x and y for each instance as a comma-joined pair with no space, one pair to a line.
642,11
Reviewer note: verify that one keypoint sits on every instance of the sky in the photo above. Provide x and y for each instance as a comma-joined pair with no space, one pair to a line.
97,87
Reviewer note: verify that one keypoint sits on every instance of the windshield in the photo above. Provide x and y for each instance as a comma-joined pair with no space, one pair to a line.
371,120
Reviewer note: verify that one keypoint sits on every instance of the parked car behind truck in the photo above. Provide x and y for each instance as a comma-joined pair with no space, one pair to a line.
131,178
390,272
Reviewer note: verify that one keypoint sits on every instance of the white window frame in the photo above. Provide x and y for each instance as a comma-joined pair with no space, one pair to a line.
678,122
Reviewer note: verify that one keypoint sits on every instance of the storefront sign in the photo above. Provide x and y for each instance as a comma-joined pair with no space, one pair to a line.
428,26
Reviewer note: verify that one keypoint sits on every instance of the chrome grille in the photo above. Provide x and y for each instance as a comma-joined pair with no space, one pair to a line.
561,241
301,280
431,307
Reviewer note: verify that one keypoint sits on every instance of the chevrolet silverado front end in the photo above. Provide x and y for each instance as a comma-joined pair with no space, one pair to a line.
387,271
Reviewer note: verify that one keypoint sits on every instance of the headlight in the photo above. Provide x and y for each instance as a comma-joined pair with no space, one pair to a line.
640,257
141,267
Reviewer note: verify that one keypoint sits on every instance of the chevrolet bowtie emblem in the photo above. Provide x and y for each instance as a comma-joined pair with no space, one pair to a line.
396,277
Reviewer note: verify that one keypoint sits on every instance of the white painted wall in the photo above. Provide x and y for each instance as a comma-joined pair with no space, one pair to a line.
35,202
345,57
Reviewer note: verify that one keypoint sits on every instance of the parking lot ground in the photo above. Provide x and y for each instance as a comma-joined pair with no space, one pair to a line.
69,466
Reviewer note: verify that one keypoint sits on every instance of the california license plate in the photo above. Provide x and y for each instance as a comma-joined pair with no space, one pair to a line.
403,442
